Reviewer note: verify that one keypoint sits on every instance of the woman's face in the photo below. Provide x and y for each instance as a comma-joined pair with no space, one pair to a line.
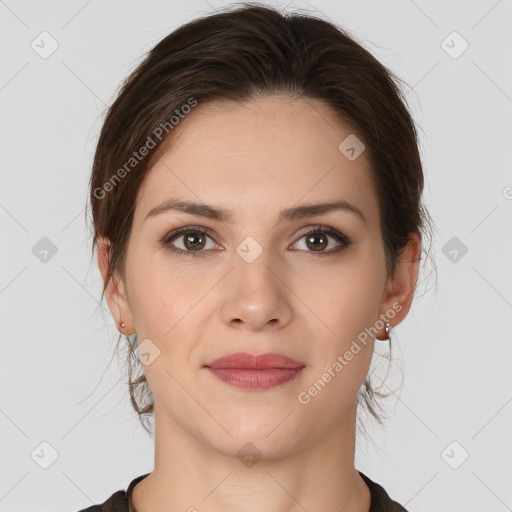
257,282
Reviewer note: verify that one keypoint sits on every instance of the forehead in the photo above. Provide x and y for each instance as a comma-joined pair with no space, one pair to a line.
269,151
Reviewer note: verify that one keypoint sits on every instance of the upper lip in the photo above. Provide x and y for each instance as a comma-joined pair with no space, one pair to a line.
243,360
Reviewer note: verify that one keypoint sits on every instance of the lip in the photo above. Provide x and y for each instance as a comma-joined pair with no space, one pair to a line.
243,360
250,371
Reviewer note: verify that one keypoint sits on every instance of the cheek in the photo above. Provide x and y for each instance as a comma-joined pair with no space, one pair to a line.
164,305
160,294
345,301
344,295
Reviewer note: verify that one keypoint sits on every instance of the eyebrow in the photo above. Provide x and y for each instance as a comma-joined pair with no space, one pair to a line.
288,214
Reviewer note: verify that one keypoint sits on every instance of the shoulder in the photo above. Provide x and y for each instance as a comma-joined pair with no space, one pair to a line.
118,502
380,500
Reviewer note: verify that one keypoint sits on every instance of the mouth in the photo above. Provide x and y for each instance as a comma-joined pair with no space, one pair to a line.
250,371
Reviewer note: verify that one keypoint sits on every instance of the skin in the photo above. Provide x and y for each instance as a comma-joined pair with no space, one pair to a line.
256,159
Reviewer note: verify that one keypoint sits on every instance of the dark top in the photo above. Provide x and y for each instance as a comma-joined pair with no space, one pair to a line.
121,501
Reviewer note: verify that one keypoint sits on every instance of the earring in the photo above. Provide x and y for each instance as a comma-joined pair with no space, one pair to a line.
123,324
388,331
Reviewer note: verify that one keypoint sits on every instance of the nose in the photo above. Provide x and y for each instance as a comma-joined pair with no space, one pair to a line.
255,295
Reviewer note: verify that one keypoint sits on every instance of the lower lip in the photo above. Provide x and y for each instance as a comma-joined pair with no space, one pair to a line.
255,379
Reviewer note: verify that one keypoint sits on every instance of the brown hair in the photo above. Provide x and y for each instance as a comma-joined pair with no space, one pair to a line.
235,55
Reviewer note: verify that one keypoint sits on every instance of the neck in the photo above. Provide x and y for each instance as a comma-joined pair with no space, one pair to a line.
193,476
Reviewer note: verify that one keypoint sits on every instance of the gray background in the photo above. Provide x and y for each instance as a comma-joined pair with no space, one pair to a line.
454,349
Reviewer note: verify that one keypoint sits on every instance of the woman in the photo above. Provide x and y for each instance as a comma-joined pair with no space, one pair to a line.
256,199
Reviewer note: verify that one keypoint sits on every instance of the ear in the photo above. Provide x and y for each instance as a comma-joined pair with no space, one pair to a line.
115,291
399,290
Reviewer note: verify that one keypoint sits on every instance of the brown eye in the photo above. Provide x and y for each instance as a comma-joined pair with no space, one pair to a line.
317,241
194,241
323,240
189,241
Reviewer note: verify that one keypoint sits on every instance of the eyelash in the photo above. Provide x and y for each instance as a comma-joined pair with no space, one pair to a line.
344,241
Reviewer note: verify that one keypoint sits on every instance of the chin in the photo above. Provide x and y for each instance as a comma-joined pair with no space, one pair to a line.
250,443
